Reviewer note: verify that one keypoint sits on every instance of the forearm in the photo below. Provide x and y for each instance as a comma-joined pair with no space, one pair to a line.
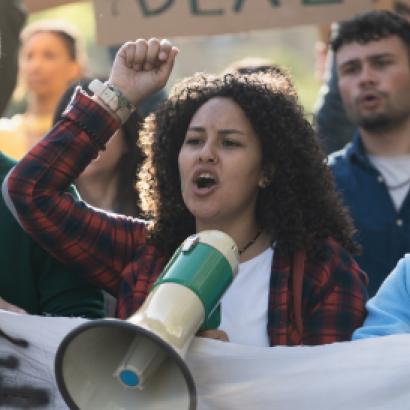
388,311
81,237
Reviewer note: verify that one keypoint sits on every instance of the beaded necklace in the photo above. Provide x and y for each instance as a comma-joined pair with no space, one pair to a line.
250,243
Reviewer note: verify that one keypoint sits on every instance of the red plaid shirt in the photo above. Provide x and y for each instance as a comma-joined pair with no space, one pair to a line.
111,249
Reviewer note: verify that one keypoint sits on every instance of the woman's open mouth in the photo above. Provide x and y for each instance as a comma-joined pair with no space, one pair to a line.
204,183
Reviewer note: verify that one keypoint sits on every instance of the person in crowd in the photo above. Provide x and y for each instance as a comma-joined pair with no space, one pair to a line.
389,310
223,152
109,182
31,280
12,19
332,124
50,60
372,173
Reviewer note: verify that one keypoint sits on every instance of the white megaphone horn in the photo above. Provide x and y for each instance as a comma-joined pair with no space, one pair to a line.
139,363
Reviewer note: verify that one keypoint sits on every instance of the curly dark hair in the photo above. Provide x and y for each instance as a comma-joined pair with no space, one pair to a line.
280,78
371,26
299,207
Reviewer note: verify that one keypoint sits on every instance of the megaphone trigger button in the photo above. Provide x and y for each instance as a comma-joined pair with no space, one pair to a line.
189,243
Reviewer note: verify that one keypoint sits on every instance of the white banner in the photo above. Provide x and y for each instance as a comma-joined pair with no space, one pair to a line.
371,374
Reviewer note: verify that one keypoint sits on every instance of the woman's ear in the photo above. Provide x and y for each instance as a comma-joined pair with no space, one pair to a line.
266,178
263,182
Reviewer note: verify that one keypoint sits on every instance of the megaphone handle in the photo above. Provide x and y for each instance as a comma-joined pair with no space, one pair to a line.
213,321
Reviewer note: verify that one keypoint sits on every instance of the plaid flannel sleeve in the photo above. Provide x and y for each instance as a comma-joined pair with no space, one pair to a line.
338,293
96,243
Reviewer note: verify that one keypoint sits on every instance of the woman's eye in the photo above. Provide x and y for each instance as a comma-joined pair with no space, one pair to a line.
192,141
231,143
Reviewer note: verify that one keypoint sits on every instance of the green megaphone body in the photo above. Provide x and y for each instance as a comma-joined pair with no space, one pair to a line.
139,363
185,297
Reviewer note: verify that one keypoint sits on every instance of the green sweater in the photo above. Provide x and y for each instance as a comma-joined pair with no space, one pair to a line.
33,280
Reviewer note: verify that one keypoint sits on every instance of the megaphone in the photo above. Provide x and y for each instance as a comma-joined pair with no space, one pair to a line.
139,363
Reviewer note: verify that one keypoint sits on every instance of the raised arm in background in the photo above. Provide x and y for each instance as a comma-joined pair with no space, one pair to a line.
92,242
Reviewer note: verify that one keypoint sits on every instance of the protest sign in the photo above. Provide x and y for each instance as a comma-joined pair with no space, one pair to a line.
119,21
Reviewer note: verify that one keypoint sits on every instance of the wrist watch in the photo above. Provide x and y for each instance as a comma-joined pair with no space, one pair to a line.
113,98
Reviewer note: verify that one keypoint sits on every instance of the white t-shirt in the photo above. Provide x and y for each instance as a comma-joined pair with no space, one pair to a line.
396,175
244,307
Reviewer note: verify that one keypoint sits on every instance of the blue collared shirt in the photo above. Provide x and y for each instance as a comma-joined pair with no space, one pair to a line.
383,232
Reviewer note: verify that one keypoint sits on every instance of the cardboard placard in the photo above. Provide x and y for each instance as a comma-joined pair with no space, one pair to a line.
123,20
